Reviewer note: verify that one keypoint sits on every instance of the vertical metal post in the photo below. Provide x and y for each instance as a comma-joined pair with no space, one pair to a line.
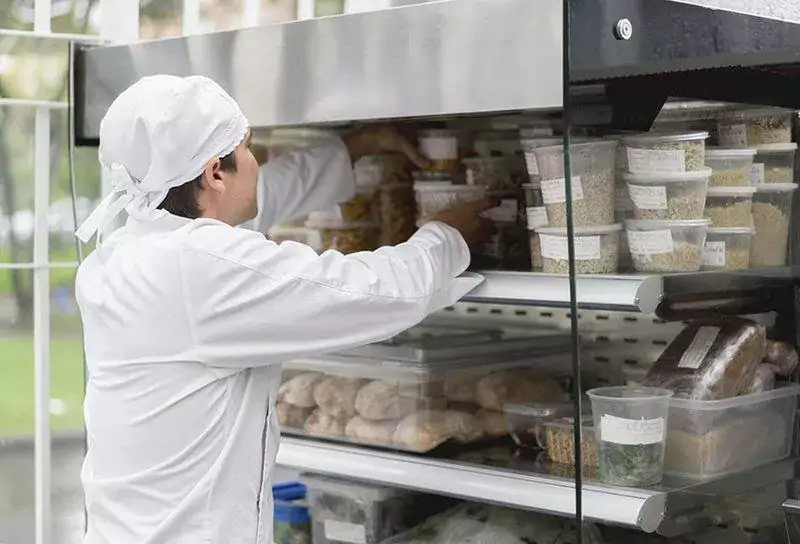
191,17
252,13
41,324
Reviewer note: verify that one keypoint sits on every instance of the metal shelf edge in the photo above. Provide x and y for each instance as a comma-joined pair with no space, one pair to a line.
636,508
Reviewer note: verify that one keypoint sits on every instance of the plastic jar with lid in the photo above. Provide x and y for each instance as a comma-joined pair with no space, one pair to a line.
342,236
491,172
596,249
528,146
369,171
666,246
730,206
774,163
659,153
727,248
668,195
592,183
757,126
441,147
434,197
772,212
730,167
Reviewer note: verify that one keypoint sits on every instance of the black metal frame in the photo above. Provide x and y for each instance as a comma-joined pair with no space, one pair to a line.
79,98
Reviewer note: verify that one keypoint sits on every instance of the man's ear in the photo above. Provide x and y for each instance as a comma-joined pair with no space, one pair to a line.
212,176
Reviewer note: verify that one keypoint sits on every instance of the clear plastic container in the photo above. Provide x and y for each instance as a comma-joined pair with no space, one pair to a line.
678,195
369,171
360,513
596,249
592,183
398,208
727,248
711,438
526,421
535,217
772,211
666,246
774,164
659,153
291,517
342,236
491,172
630,431
528,147
758,126
730,167
559,440
438,177
730,206
361,208
441,147
436,197
507,248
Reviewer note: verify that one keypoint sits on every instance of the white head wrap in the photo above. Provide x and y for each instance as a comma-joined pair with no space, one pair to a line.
158,134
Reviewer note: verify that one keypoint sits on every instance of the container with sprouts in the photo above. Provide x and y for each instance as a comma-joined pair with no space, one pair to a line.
772,210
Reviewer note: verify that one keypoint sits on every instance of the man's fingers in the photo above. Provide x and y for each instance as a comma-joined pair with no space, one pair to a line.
481,205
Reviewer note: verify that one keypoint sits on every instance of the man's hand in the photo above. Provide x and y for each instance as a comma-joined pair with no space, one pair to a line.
466,219
382,139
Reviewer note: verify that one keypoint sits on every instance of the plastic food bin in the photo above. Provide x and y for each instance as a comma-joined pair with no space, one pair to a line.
772,211
491,172
630,430
435,197
398,208
666,246
369,171
360,513
730,167
658,153
730,206
342,236
757,126
727,248
677,195
525,421
361,208
291,520
560,444
528,147
441,147
774,164
711,438
592,183
596,249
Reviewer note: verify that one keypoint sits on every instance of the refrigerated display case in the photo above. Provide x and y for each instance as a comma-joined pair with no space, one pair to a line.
583,67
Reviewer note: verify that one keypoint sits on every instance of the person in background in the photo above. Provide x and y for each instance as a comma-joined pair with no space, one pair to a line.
187,318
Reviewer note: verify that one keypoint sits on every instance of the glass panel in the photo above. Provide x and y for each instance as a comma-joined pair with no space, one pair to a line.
16,187
75,16
328,7
16,408
160,19
220,15
277,11
15,16
33,68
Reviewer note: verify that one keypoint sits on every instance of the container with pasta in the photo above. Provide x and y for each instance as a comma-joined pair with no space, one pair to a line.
440,146
397,211
339,235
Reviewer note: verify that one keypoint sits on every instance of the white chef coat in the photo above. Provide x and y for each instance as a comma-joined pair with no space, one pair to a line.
186,324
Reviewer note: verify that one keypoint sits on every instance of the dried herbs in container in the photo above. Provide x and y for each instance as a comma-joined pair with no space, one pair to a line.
631,465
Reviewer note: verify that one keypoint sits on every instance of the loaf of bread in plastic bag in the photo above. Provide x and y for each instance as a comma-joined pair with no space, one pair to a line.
710,359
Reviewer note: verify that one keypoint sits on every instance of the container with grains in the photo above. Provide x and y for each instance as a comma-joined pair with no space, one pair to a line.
674,195
528,147
343,236
658,153
772,209
592,183
730,206
746,128
596,249
560,445
730,167
666,246
727,248
535,217
435,197
397,211
441,147
491,172
774,163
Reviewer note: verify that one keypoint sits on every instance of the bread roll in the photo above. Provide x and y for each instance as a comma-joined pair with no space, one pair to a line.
299,391
337,395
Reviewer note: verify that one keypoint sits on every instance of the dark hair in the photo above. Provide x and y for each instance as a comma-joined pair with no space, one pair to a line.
182,200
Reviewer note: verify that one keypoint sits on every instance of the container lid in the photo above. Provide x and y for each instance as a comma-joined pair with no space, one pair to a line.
587,423
287,512
724,152
731,230
540,142
750,113
624,394
654,137
579,143
437,187
289,491
541,410
667,177
439,177
527,133
775,187
581,231
328,222
531,185
656,224
470,161
771,149
754,400
437,133
731,191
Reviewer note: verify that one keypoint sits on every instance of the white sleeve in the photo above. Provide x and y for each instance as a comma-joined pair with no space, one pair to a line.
303,181
253,302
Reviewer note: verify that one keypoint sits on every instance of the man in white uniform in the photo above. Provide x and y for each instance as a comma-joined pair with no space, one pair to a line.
187,318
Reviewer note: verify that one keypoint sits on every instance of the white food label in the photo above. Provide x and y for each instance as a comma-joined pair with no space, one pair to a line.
554,191
732,135
756,173
506,212
648,161
713,254
537,217
340,531
530,163
618,430
653,242
439,148
698,349
648,197
587,248
492,248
